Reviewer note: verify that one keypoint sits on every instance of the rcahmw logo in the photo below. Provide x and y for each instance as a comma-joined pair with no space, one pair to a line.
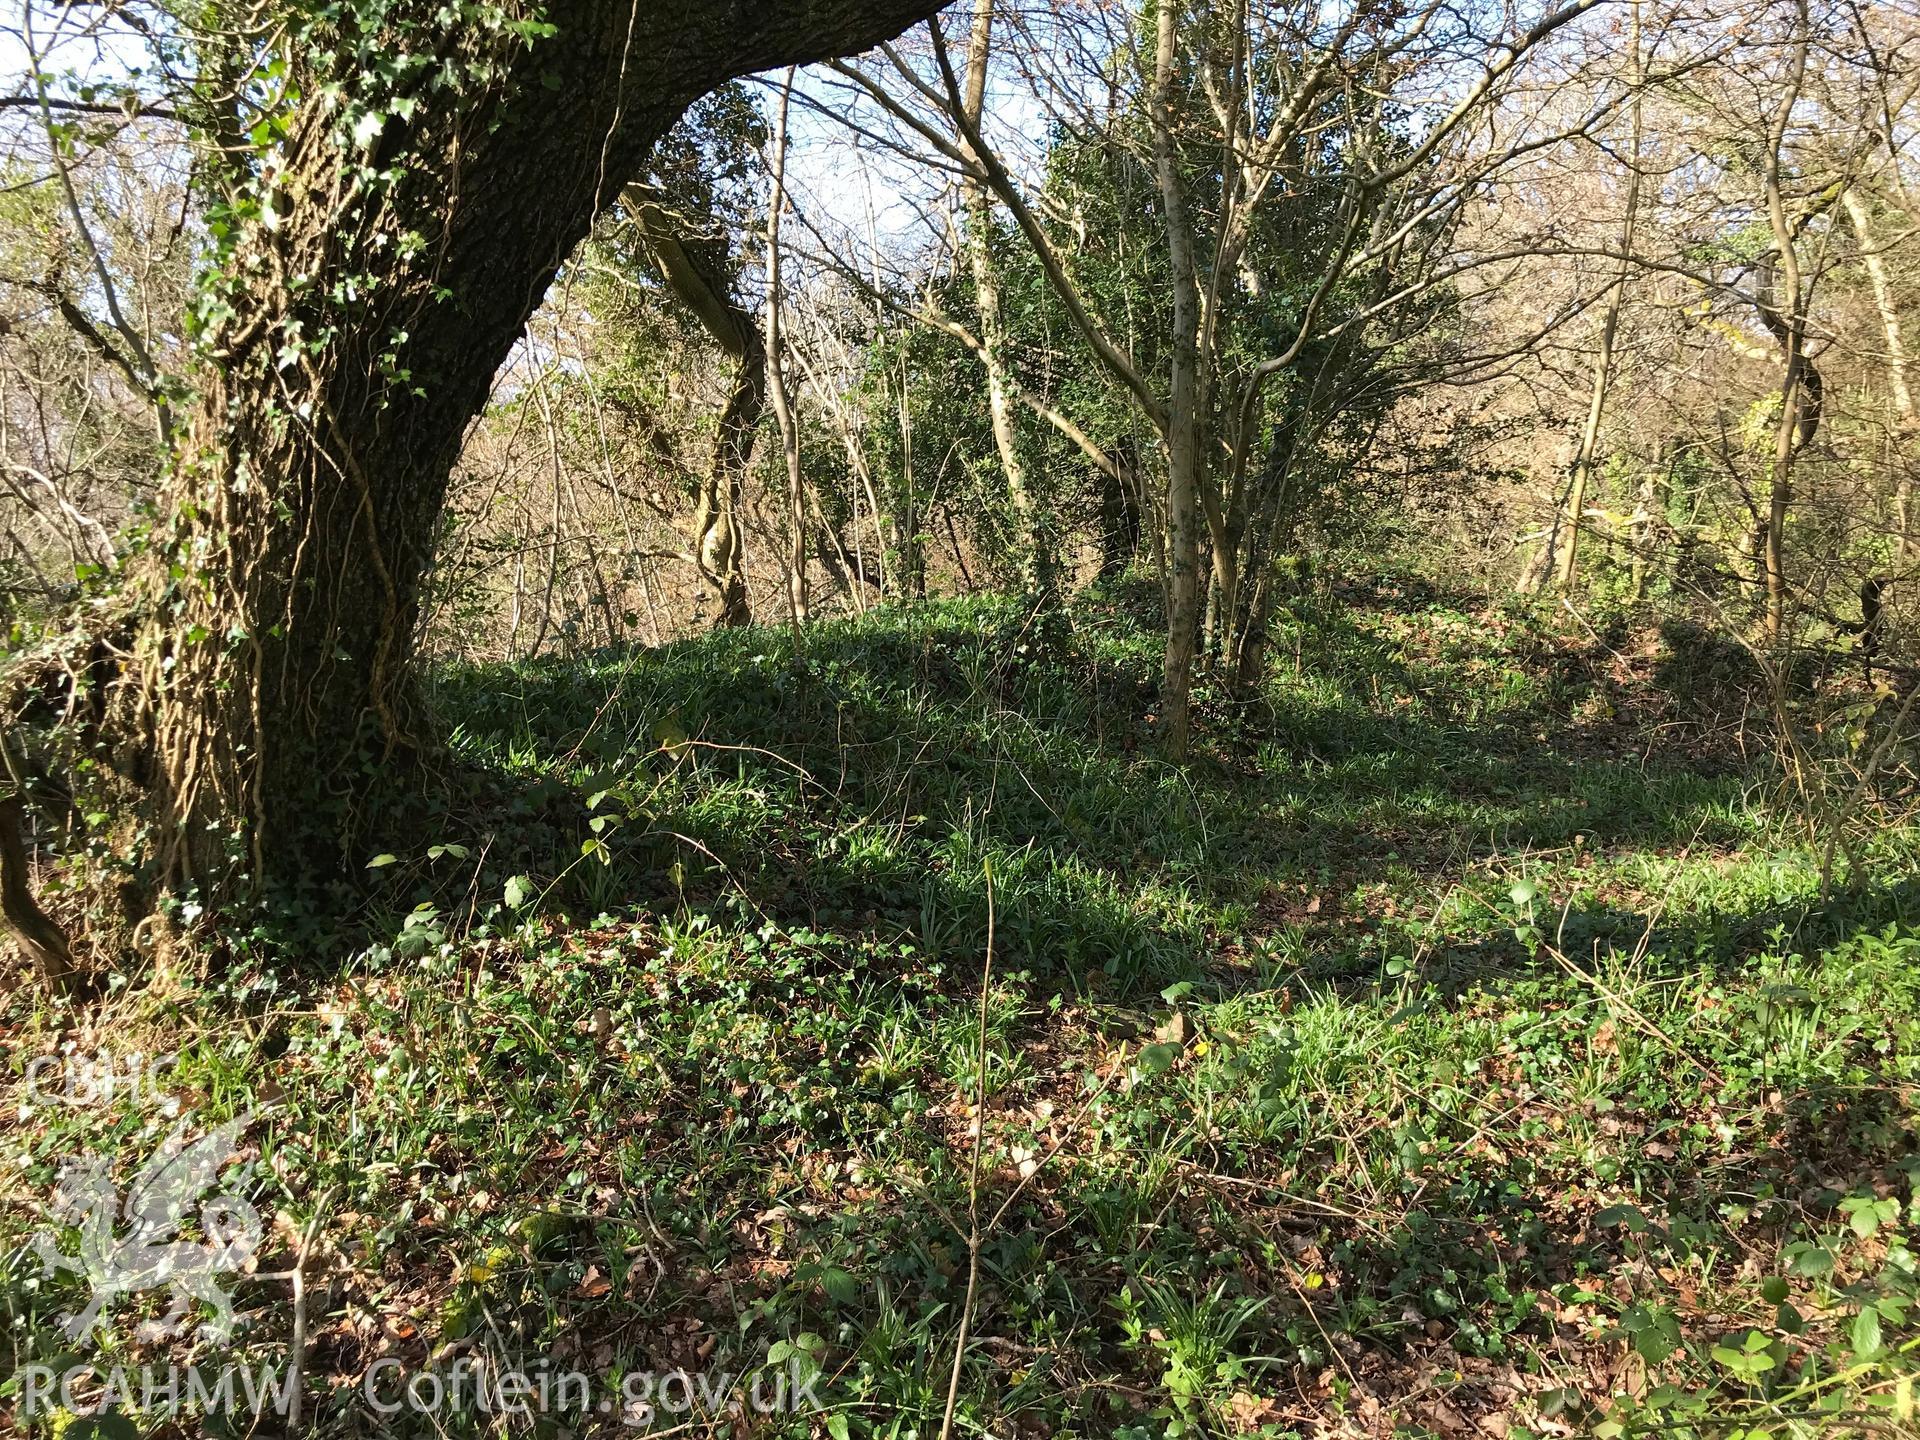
131,1245
163,1390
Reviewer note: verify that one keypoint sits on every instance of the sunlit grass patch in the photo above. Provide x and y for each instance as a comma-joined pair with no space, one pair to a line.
1384,1058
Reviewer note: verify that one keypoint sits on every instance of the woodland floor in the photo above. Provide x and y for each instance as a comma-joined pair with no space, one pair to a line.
1461,1045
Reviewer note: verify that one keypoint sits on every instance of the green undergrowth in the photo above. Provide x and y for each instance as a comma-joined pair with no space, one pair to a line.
1464,1042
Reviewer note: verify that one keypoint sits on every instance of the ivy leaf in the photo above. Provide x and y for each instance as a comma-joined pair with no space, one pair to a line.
519,890
1156,1058
1629,1216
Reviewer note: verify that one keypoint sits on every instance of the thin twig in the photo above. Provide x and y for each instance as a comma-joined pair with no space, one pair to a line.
297,1347
973,1178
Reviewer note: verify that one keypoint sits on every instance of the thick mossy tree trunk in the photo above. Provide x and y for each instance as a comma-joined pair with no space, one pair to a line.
402,219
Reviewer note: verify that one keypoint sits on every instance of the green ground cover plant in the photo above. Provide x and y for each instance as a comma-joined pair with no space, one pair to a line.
1459,1045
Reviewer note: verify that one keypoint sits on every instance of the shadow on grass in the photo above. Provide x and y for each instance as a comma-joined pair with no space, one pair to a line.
867,779
736,1119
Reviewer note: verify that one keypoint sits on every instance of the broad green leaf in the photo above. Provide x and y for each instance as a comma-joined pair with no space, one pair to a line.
1866,1334
1156,1058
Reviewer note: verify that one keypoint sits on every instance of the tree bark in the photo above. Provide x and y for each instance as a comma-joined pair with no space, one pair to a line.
907,519
399,243
719,539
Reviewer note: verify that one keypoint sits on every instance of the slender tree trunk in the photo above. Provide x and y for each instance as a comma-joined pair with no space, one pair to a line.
1906,422
1119,512
1183,418
1780,492
1785,313
913,560
884,580
1567,557
553,553
1543,563
1224,571
777,375
1645,499
1583,459
595,586
519,596
959,552
352,330
1277,522
1036,560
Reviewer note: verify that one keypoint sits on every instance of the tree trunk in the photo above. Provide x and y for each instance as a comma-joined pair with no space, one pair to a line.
42,941
398,242
1119,511
1906,422
1800,385
1277,522
1184,457
1583,459
907,520
777,374
1036,560
1583,456
719,549
719,540
1645,500
1786,445
1543,562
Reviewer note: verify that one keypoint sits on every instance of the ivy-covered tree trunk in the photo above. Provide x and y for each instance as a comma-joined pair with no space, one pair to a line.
699,281
401,218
